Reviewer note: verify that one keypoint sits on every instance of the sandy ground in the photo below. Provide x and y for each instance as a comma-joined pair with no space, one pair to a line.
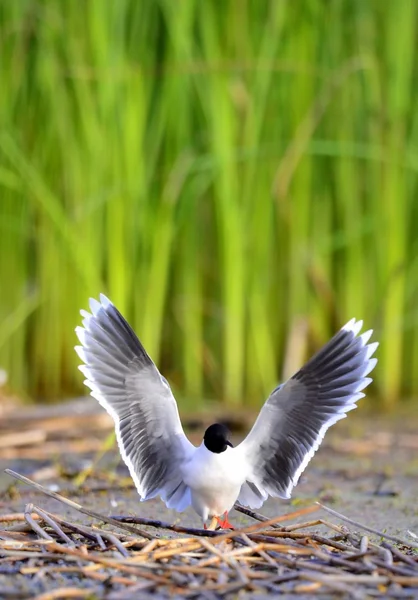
367,469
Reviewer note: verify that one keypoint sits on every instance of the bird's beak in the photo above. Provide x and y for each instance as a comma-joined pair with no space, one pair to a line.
228,443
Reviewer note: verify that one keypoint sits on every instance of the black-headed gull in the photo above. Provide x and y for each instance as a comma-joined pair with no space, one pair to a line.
213,476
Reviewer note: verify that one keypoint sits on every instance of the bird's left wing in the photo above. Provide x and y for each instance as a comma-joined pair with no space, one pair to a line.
126,382
294,419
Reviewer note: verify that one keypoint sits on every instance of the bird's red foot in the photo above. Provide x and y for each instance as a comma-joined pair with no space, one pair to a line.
224,523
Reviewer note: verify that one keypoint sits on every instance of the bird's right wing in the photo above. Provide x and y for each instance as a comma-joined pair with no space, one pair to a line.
128,385
294,419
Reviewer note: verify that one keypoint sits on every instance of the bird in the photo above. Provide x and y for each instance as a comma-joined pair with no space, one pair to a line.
215,475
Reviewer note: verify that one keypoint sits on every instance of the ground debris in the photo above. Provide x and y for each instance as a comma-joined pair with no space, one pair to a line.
53,557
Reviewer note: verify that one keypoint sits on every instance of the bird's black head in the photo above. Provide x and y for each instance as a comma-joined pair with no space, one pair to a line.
216,438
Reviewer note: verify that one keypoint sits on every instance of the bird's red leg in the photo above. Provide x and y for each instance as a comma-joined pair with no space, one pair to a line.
224,523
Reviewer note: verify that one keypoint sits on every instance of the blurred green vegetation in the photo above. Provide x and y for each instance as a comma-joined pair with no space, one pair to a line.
239,177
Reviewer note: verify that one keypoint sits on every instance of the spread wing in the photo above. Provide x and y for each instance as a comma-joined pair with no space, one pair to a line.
128,385
294,419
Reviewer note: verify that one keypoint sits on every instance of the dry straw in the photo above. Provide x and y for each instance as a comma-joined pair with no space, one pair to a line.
113,558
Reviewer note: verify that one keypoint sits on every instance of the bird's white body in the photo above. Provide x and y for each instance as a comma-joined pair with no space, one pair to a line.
215,480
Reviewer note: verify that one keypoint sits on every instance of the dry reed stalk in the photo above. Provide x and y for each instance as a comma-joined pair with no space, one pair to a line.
262,558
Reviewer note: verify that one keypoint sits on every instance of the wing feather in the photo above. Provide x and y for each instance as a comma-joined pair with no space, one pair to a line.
294,419
123,378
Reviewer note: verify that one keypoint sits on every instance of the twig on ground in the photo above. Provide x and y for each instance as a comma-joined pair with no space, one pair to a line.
393,538
77,506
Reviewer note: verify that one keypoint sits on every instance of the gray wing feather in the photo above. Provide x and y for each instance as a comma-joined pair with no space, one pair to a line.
123,378
294,419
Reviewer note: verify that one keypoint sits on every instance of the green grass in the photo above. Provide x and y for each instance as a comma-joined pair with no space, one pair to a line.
239,178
